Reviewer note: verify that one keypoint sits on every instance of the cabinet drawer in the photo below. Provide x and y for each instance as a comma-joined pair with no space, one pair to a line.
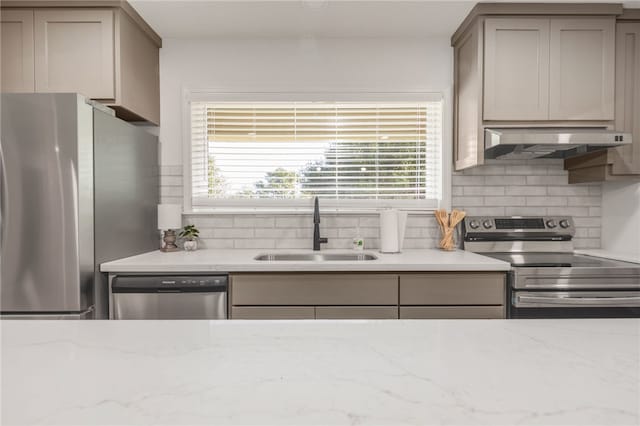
452,289
356,312
314,289
451,312
272,313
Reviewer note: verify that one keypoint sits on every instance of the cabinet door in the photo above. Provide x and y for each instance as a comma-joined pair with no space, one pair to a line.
468,134
17,50
74,52
452,312
314,289
516,69
272,312
582,66
356,312
626,159
478,288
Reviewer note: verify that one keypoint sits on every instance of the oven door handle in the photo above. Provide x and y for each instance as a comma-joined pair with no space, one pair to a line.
534,300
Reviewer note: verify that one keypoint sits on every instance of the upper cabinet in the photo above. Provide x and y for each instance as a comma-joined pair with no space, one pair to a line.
549,69
17,50
534,65
100,49
516,69
621,163
582,69
75,52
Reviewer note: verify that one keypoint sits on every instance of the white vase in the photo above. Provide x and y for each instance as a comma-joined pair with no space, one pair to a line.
190,245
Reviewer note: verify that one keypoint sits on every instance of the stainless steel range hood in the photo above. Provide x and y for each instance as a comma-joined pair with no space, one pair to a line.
522,144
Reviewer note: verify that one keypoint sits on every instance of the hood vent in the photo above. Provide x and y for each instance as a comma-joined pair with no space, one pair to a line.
525,144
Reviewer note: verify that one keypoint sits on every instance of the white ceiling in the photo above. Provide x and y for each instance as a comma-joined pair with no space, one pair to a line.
307,18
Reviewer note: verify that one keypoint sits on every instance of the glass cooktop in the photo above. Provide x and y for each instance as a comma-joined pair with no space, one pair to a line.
558,260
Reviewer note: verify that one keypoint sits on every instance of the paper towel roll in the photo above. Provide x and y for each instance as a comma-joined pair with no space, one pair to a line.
389,231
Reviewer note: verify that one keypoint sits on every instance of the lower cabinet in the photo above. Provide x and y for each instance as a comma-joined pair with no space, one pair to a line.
451,312
272,312
356,312
313,312
428,295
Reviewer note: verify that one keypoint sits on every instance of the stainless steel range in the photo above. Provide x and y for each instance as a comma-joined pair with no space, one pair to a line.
547,279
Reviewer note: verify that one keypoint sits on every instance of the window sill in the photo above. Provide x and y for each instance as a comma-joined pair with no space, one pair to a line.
208,211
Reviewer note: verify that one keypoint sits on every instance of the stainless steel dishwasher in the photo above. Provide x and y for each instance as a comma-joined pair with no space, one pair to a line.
169,297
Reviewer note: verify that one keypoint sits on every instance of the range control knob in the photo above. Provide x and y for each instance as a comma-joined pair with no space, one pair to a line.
551,223
487,224
474,224
564,223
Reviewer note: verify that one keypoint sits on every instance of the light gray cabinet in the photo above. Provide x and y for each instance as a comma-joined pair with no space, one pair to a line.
272,312
356,312
531,65
516,69
367,295
626,160
16,54
451,288
621,163
74,52
314,289
549,69
100,49
582,69
452,312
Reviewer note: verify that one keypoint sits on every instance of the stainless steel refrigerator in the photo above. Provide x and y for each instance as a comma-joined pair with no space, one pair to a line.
78,187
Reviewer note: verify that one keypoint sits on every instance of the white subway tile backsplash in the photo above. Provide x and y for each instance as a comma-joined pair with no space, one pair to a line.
584,201
254,221
546,180
525,211
546,201
568,190
481,190
468,201
527,170
233,233
256,243
505,180
276,233
570,211
505,201
497,189
463,180
526,190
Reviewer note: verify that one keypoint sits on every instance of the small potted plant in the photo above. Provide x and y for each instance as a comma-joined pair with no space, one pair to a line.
190,234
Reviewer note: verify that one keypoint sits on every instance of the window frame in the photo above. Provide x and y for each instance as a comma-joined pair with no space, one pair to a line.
289,206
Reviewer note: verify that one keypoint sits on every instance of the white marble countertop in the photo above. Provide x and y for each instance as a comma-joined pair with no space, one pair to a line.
624,257
234,260
464,372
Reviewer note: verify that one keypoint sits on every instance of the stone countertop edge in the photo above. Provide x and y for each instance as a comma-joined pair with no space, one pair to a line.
242,260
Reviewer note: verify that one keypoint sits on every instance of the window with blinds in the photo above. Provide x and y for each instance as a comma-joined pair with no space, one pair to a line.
362,154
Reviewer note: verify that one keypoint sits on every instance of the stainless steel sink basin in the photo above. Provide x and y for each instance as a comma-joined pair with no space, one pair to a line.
313,257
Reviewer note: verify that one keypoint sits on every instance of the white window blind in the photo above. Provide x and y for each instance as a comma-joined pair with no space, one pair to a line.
362,154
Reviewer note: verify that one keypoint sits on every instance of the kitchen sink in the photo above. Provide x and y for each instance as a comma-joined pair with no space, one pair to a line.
313,257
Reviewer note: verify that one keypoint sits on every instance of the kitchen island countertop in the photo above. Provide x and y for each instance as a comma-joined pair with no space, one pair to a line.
242,260
469,372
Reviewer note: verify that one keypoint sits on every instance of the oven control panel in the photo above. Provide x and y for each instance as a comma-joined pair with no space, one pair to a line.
561,225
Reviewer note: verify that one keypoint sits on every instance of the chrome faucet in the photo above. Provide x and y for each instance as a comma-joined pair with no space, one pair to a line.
317,240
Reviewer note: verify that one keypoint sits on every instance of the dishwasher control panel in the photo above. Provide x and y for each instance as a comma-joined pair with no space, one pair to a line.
177,283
